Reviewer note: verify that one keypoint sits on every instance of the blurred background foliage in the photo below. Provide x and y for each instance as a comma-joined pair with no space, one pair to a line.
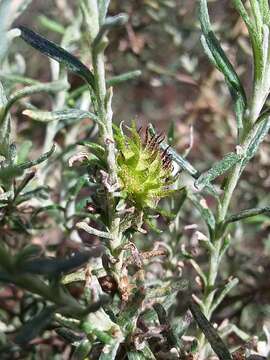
181,94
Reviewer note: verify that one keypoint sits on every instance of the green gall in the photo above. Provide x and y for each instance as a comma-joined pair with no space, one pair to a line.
144,169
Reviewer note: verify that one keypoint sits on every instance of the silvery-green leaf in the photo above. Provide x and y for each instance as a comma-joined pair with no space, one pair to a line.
204,210
63,115
265,11
255,38
50,88
118,79
219,168
9,172
224,292
39,160
256,137
221,62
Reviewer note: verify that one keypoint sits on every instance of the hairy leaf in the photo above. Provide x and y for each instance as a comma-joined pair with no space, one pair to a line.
63,115
203,208
219,168
221,62
255,38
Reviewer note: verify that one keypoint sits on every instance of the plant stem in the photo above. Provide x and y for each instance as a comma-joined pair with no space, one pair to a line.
105,114
216,252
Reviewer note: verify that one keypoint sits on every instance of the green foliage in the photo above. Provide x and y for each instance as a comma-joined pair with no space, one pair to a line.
94,247
221,62
54,51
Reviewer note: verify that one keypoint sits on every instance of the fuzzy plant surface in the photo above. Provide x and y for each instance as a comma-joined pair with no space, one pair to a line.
144,169
97,258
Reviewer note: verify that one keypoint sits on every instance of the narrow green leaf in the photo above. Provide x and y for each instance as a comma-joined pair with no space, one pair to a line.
91,17
238,4
23,183
94,148
255,40
5,257
258,17
130,75
226,289
244,214
165,294
63,115
35,326
256,136
16,78
222,63
57,53
103,336
265,10
51,24
203,208
56,266
49,88
210,332
218,169
43,157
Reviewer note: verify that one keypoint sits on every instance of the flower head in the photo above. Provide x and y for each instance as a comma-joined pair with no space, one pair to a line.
144,169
